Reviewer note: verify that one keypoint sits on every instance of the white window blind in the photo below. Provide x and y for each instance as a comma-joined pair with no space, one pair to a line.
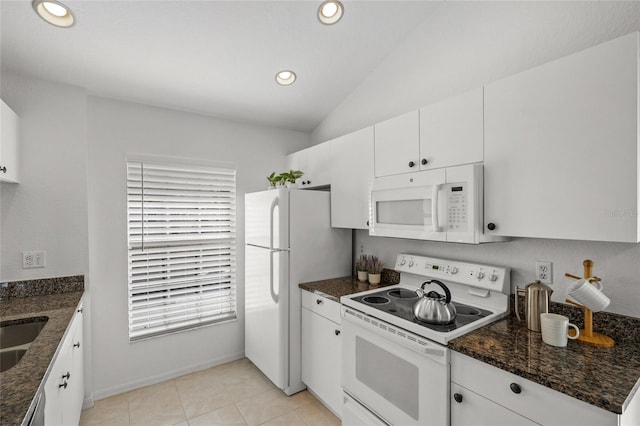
182,239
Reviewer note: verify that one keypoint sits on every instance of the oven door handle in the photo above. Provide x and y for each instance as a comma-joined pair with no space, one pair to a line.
434,207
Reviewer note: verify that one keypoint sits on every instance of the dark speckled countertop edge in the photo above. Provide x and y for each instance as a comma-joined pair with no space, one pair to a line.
604,381
21,383
335,288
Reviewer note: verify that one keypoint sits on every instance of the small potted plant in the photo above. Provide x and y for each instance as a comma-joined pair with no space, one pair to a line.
274,179
374,268
361,267
289,178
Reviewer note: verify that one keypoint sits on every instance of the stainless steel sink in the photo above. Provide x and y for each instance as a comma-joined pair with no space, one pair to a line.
10,357
12,335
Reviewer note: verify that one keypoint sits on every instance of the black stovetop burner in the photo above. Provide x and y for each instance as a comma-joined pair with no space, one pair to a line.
399,302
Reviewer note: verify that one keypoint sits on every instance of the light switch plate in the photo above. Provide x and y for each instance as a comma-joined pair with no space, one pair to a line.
33,259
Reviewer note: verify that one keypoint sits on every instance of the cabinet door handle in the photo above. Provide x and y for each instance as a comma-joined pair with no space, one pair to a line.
64,385
80,310
337,332
424,161
66,376
491,226
411,164
3,169
457,397
318,301
515,388
76,345
367,223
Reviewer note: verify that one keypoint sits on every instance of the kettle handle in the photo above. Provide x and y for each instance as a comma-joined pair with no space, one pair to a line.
447,293
519,292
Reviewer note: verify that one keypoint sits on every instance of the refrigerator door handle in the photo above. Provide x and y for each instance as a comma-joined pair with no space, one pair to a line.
274,296
274,204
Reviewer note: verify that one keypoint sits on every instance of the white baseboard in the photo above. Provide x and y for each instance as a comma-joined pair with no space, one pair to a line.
167,375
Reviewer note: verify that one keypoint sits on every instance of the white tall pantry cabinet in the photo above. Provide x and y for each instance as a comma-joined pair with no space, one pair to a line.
561,147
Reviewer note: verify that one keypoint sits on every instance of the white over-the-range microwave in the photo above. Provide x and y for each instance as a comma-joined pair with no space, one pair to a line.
440,205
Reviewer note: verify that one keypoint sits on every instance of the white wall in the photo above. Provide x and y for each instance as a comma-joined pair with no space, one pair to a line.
464,45
48,209
115,130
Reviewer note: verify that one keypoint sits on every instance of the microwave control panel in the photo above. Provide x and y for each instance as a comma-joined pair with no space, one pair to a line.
457,207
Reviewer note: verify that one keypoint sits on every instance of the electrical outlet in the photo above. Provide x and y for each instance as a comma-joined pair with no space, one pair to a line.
33,259
544,271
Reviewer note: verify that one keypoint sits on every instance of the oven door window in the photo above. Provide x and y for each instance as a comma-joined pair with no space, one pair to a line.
397,384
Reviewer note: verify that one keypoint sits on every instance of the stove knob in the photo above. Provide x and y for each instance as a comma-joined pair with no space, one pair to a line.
479,275
410,264
493,276
454,270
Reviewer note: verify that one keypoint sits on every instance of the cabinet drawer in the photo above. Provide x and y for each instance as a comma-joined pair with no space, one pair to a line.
321,306
536,402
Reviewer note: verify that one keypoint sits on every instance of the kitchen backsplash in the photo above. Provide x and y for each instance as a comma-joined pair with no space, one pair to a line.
616,263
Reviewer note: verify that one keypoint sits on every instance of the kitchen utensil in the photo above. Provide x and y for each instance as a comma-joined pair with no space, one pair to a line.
555,329
536,302
589,294
433,307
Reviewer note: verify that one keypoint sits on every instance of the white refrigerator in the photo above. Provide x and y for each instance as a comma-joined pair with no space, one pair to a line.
289,240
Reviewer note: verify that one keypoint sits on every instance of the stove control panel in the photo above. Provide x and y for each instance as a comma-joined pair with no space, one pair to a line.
485,277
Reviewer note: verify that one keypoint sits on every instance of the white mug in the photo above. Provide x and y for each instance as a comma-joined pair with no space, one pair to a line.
589,294
555,329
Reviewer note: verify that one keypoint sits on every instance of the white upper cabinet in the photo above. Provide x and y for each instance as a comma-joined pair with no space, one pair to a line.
351,178
561,147
9,122
451,131
397,145
314,163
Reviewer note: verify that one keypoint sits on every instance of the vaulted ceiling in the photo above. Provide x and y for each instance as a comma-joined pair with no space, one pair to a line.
211,57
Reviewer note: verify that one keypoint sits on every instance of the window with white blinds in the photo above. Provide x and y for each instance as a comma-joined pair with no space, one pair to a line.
182,247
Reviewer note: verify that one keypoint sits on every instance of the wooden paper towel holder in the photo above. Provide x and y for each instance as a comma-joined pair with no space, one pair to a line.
587,335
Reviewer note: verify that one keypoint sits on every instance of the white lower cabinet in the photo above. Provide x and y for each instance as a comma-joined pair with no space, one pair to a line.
64,387
490,396
321,349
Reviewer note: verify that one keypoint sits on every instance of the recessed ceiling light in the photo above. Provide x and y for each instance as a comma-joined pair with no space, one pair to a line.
330,12
286,77
54,12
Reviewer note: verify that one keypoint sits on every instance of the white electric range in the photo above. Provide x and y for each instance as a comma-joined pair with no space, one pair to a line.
395,367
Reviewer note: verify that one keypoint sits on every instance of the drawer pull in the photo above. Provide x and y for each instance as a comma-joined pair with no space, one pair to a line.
80,310
64,385
66,376
515,388
337,332
457,397
76,345
318,301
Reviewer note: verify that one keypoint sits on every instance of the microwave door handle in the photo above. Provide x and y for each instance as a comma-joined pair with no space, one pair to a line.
434,208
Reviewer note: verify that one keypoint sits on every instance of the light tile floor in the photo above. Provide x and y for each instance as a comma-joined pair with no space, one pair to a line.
236,393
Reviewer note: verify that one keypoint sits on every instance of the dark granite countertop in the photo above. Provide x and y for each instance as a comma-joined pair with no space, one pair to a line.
335,288
605,377
19,384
